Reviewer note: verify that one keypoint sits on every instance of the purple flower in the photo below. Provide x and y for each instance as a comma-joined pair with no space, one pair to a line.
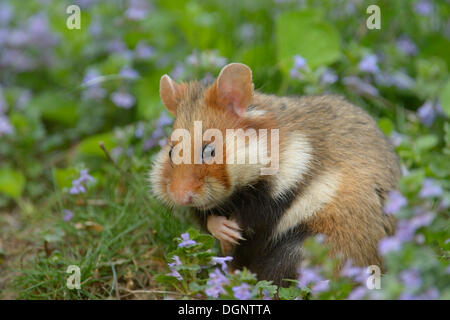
68,215
186,241
143,51
395,202
129,73
321,286
405,45
178,71
295,74
18,38
192,59
77,184
164,120
139,130
215,283
176,274
402,80
430,294
6,13
242,292
308,276
408,296
427,113
95,29
247,31
389,244
360,85
328,76
320,238
137,10
215,59
94,93
5,126
430,189
266,295
154,139
91,80
176,261
91,77
157,137
369,64
358,293
222,261
23,99
422,220
299,62
396,138
411,278
162,142
85,177
405,230
122,99
116,46
77,187
39,31
423,7
358,274
17,60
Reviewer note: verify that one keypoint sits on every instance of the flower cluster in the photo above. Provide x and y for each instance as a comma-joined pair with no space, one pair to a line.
78,185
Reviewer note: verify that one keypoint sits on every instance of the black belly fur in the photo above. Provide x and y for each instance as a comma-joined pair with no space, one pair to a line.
258,213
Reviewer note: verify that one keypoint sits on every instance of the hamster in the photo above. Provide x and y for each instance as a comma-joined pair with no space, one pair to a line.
334,168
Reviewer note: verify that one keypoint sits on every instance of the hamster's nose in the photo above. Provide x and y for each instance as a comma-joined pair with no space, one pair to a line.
184,190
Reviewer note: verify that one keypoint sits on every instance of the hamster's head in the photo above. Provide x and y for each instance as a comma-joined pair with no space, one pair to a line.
191,169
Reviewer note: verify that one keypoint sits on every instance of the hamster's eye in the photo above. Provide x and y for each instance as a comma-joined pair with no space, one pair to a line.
208,152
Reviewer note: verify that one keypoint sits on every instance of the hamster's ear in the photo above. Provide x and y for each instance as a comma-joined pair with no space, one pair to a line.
235,88
171,93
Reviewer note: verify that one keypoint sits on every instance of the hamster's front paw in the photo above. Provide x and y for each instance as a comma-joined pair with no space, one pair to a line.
227,231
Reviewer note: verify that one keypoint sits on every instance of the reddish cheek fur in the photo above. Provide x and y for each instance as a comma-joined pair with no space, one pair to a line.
176,176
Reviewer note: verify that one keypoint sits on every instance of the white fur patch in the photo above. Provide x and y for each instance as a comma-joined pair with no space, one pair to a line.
158,182
294,163
241,170
255,113
318,194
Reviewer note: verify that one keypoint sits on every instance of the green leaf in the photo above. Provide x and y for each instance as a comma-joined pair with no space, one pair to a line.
90,145
289,293
426,142
306,34
148,101
56,108
12,182
166,279
64,177
386,126
445,98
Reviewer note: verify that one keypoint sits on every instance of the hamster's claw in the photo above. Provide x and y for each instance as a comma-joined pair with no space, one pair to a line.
225,230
